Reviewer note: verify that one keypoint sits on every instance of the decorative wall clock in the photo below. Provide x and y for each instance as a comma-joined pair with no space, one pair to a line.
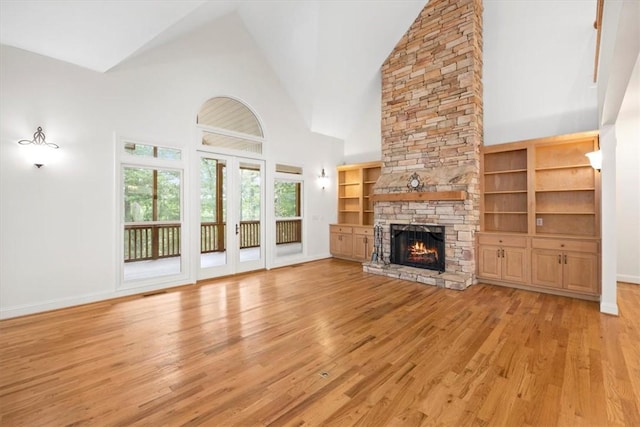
414,183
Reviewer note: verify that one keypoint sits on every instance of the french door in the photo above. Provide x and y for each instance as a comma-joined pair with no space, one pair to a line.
232,215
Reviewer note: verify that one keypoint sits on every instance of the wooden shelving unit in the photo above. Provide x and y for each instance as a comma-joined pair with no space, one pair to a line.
504,178
355,188
545,191
352,236
565,190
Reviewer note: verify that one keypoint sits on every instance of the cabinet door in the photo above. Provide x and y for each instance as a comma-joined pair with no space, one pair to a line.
360,247
489,262
346,245
334,243
546,268
515,265
581,272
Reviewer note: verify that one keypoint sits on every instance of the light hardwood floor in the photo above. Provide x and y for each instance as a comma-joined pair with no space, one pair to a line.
325,343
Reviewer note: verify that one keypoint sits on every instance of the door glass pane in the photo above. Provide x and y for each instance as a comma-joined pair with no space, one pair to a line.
213,212
288,217
152,222
250,210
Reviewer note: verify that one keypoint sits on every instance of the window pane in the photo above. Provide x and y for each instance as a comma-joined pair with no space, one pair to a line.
225,141
138,194
168,195
140,184
145,150
286,199
151,248
169,153
138,149
296,170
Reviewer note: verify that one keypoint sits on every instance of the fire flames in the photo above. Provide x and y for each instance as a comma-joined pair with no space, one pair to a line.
419,252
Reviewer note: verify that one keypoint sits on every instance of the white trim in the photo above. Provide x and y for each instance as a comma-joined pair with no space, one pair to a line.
627,278
609,308
232,133
296,259
58,303
125,160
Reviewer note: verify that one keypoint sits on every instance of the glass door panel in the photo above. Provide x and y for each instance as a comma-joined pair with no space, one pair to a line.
214,257
250,229
231,213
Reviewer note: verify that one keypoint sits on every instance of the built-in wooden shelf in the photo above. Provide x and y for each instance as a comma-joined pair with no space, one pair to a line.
420,196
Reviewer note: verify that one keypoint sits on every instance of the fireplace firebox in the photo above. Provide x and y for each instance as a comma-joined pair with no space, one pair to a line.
418,245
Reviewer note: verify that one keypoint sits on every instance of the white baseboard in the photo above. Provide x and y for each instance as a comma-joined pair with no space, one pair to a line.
55,304
627,278
609,308
293,260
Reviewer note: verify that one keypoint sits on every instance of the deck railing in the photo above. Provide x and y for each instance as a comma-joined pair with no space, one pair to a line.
148,242
143,242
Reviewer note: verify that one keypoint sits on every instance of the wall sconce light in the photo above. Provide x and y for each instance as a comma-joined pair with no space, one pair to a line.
595,158
39,147
323,179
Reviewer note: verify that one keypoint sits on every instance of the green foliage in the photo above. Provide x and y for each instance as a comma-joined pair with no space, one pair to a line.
138,194
250,195
208,185
286,199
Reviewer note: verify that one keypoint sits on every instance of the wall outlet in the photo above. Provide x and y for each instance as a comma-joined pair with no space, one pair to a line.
539,222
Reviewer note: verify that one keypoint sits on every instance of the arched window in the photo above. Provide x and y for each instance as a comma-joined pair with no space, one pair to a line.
228,123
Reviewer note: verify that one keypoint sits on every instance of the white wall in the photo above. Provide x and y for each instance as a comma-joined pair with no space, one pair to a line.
57,224
364,141
628,182
538,69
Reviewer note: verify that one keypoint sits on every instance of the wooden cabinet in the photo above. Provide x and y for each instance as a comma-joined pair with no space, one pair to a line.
537,189
503,257
341,241
355,187
568,265
351,242
362,243
352,237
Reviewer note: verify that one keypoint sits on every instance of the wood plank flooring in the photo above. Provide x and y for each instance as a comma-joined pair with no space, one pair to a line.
325,344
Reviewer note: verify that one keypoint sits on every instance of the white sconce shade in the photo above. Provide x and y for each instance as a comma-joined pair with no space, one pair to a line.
595,158
39,150
323,180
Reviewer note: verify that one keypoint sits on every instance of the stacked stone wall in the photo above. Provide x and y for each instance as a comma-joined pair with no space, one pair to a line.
432,123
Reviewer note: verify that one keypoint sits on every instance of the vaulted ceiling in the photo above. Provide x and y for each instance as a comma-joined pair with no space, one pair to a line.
325,53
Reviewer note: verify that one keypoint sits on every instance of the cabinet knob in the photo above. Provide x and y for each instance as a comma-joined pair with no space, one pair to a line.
500,240
562,245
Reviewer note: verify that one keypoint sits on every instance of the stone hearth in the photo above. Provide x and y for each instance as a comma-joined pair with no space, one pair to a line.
432,125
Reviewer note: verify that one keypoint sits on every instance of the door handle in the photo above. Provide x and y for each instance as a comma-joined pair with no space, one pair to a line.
502,251
559,259
565,259
498,253
237,229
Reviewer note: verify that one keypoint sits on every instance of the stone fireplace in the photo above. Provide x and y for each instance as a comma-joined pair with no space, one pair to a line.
432,127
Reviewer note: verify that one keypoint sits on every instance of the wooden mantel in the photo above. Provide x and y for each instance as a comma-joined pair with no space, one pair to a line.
420,196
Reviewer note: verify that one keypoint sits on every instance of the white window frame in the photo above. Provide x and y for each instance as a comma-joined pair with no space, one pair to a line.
126,160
